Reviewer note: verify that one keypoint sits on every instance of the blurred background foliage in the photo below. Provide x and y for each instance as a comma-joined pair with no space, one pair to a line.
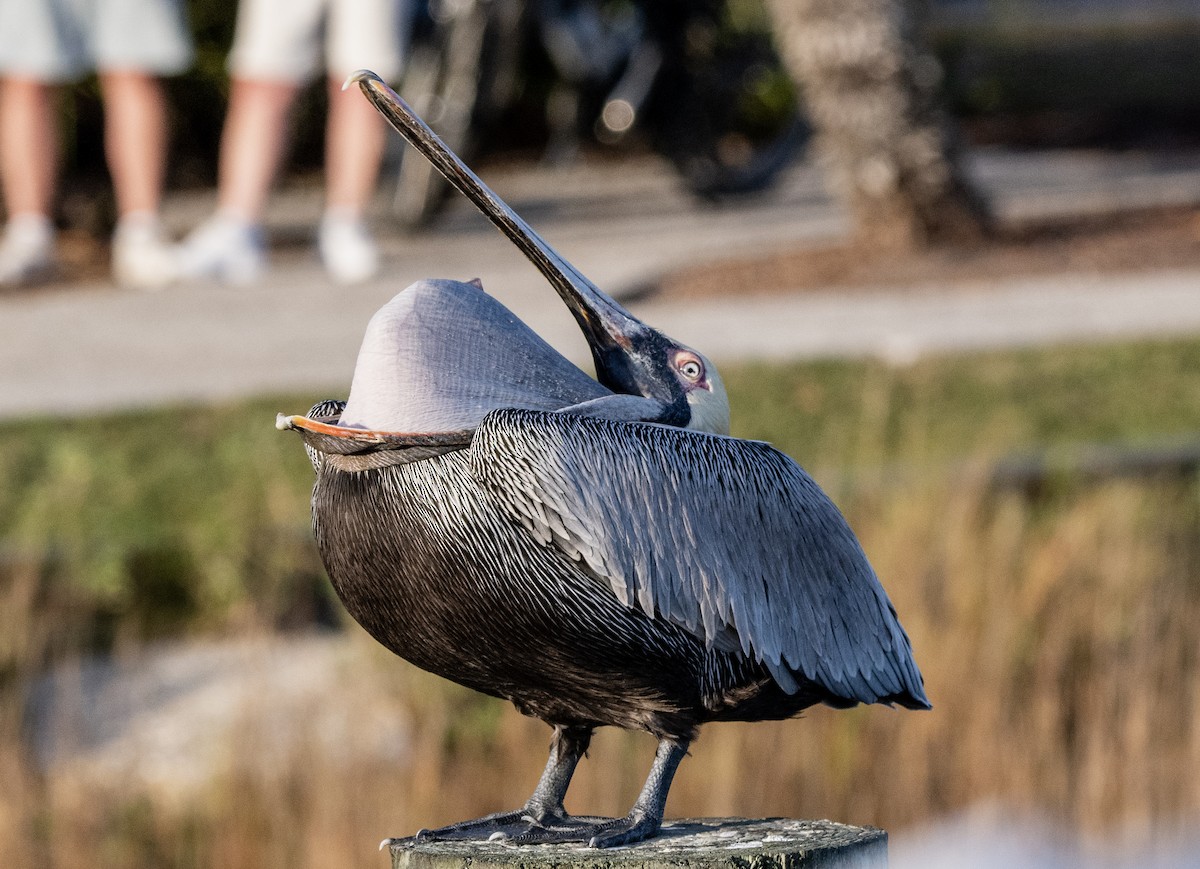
194,519
1051,84
191,519
1054,623
1106,73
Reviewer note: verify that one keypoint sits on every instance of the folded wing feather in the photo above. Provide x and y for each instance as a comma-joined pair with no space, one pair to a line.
727,538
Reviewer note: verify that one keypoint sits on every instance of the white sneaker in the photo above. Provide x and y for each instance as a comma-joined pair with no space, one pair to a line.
27,250
142,257
225,248
347,249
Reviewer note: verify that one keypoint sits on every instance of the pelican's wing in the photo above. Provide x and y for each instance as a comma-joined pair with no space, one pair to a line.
718,535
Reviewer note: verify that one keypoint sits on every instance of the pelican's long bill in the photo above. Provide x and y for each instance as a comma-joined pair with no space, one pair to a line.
607,325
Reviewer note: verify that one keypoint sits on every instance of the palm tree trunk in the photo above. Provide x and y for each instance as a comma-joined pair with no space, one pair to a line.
872,96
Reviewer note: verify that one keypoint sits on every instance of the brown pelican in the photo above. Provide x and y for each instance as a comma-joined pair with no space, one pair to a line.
598,552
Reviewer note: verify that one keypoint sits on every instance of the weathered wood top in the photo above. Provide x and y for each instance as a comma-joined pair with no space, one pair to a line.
697,843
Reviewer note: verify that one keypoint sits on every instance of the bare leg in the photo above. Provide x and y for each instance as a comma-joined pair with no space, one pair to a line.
354,140
28,169
135,144
229,247
28,145
252,145
544,807
135,139
355,136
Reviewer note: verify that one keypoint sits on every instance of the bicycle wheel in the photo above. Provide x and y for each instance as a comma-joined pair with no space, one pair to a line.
727,116
441,83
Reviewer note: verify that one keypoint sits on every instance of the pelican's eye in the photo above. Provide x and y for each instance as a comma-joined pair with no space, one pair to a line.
690,367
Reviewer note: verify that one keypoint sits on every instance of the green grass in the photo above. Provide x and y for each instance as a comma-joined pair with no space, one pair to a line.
987,404
194,518
1056,635
169,519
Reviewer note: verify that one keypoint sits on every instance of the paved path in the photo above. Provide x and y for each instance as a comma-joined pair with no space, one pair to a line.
85,348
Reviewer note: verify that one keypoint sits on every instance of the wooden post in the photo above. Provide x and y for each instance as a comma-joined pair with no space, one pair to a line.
702,843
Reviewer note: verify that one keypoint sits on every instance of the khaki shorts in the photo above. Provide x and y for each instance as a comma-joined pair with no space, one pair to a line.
61,40
281,40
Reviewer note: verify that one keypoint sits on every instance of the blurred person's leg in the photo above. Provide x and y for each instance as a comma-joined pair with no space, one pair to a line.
230,246
40,47
370,34
28,166
28,145
355,136
252,146
134,43
135,139
135,145
361,33
273,55
354,141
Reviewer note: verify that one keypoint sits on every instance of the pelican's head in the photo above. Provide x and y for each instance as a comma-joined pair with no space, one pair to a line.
706,395
631,358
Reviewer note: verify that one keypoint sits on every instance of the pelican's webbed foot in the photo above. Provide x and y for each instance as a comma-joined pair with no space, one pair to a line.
544,821
478,829
592,831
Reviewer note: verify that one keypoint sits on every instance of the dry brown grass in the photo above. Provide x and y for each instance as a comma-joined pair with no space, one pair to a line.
1057,638
1056,632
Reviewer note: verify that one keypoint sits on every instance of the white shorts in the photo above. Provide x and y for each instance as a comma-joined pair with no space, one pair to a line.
61,40
280,40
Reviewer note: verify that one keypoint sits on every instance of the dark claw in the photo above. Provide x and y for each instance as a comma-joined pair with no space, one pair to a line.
405,842
595,832
551,828
624,831
486,828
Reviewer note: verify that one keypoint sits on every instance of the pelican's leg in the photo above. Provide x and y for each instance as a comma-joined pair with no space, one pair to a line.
642,822
545,806
566,749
